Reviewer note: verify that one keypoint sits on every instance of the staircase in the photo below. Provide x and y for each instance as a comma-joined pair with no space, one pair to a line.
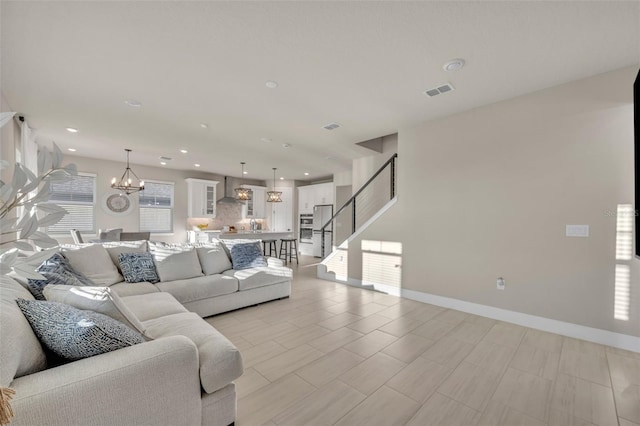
362,209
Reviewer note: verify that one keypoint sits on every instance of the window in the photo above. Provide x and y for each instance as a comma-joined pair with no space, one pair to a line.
156,207
77,196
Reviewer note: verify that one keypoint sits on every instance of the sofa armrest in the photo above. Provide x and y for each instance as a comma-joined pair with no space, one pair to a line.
155,382
273,261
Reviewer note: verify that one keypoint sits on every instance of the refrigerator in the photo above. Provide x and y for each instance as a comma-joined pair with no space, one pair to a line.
321,215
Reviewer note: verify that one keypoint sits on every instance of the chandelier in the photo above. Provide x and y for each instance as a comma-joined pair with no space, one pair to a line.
242,194
127,182
274,196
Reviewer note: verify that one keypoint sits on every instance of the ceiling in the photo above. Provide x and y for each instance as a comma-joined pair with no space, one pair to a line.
361,64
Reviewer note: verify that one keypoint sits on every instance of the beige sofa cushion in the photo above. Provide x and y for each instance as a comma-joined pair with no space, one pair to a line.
20,350
213,258
93,262
220,360
175,262
199,287
260,276
125,289
98,299
151,306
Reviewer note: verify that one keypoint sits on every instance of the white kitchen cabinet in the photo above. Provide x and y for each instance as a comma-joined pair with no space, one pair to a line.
323,193
281,214
313,195
201,196
306,199
255,206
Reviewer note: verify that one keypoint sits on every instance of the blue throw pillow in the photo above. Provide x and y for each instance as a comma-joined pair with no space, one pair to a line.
138,267
247,255
56,270
74,334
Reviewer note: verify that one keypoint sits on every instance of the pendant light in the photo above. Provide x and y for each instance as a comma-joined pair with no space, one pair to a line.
274,196
242,194
127,184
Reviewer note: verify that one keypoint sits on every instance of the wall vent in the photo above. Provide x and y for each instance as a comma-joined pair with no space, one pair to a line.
331,126
443,88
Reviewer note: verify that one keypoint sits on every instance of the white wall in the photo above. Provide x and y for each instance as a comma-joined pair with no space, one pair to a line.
488,192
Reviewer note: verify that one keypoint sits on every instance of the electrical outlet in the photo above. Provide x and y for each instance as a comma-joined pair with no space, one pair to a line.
500,283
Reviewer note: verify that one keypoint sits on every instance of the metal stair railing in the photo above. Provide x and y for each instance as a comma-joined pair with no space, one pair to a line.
366,199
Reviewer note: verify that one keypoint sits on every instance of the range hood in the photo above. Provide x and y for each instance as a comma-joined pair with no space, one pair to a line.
229,193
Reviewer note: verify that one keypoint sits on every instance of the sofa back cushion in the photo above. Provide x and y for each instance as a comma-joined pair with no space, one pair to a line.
93,261
98,299
20,350
175,262
213,258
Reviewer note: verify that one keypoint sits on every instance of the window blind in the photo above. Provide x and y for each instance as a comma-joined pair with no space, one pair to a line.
156,207
77,196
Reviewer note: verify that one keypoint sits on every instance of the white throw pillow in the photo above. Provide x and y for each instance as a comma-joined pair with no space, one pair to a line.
213,258
98,299
175,262
93,262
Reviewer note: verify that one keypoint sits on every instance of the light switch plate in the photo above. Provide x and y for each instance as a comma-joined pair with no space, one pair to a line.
577,231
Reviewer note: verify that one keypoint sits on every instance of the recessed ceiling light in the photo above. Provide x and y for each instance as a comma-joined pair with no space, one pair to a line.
244,173
281,178
306,173
72,130
286,145
271,84
265,140
196,165
184,151
164,163
453,65
204,125
71,149
133,103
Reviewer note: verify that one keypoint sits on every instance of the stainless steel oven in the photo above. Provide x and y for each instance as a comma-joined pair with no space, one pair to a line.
306,228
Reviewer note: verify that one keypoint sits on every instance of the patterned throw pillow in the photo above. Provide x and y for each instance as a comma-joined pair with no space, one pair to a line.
56,270
138,267
247,255
74,334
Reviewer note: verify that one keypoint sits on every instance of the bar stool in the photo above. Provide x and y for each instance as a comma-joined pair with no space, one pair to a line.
288,247
271,245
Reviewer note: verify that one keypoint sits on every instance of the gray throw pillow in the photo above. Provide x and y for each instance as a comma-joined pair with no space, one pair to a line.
56,270
74,334
247,255
175,262
213,258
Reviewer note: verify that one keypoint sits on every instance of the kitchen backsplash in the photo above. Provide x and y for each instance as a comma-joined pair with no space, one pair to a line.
226,214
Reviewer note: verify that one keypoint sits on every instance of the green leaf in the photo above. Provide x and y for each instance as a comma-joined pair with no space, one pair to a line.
19,177
43,193
71,169
27,271
7,224
9,258
44,161
56,156
50,208
7,192
30,226
23,245
51,219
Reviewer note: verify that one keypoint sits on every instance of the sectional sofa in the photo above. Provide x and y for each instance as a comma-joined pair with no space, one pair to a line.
182,375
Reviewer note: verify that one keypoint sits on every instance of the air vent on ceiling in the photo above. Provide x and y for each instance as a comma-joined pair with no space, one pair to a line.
444,88
331,126
163,158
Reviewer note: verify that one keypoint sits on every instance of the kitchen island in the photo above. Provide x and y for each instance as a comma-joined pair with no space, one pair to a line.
209,235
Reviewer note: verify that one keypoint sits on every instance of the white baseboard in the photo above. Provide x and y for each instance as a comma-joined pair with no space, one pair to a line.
595,335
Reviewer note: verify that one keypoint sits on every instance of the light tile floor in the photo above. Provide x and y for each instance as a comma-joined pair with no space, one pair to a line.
333,354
